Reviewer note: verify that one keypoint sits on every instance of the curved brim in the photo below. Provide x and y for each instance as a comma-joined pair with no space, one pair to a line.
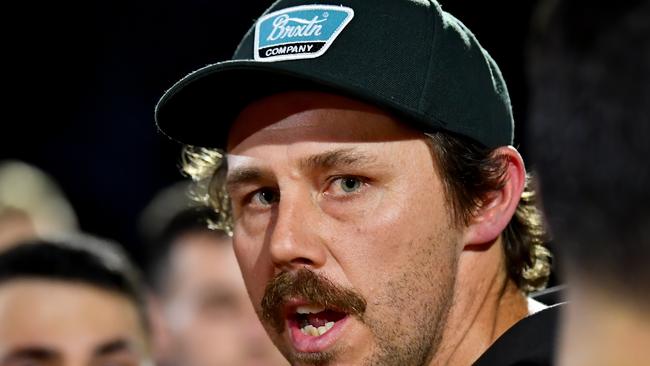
200,108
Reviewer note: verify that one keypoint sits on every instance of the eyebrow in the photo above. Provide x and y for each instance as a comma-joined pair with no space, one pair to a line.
218,294
117,345
245,175
31,353
349,157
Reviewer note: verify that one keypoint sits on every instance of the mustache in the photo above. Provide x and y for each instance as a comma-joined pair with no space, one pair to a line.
309,286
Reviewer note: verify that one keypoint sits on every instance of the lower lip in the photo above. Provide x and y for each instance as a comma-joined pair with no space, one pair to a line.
306,343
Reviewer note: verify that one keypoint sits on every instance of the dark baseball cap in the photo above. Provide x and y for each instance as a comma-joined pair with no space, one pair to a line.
406,56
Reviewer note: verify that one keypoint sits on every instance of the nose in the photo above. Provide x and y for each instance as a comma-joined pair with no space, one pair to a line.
294,240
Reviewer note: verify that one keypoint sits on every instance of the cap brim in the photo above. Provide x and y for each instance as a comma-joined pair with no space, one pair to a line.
200,108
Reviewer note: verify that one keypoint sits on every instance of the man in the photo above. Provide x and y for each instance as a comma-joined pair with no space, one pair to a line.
590,73
74,302
207,318
380,214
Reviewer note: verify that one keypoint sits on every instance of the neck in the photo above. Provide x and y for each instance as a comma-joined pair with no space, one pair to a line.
603,328
486,303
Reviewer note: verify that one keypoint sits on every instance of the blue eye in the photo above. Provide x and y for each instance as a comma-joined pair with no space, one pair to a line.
350,184
266,197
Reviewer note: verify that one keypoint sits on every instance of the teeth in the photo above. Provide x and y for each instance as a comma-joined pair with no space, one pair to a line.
309,309
315,332
310,330
306,329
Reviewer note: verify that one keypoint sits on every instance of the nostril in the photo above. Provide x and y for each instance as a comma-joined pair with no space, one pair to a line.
302,260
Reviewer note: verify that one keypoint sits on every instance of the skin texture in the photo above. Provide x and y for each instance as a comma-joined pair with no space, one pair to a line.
436,292
209,319
57,323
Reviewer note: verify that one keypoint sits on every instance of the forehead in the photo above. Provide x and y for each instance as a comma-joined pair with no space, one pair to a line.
304,116
204,254
46,310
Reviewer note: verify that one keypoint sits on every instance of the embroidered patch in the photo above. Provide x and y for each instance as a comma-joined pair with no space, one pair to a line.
299,32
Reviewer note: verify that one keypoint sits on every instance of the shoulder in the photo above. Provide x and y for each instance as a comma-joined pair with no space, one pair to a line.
530,342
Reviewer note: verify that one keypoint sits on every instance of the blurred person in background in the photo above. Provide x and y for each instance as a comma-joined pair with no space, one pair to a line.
203,314
590,74
71,302
31,204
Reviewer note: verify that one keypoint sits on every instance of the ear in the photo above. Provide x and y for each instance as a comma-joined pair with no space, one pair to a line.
499,206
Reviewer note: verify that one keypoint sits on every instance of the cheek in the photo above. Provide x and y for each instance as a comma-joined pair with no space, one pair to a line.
253,223
256,267
403,215
409,228
210,343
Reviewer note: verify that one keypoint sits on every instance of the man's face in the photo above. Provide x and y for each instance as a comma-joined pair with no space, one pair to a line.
58,323
207,310
340,211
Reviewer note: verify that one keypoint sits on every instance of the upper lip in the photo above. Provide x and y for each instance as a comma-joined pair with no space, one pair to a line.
290,306
294,302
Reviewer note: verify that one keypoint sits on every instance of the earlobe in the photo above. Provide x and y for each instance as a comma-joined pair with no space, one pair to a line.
499,205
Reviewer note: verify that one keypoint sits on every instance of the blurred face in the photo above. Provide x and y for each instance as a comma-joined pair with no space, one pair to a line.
209,316
56,323
15,226
341,231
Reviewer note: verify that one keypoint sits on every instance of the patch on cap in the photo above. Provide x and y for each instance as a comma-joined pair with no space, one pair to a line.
299,32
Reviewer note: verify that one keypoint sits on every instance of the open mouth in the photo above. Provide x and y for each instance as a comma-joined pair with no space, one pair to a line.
314,328
311,312
314,320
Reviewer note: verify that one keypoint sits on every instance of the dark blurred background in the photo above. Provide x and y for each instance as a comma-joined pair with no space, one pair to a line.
81,81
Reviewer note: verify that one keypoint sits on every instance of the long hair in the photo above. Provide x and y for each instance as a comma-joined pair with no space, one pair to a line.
469,172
